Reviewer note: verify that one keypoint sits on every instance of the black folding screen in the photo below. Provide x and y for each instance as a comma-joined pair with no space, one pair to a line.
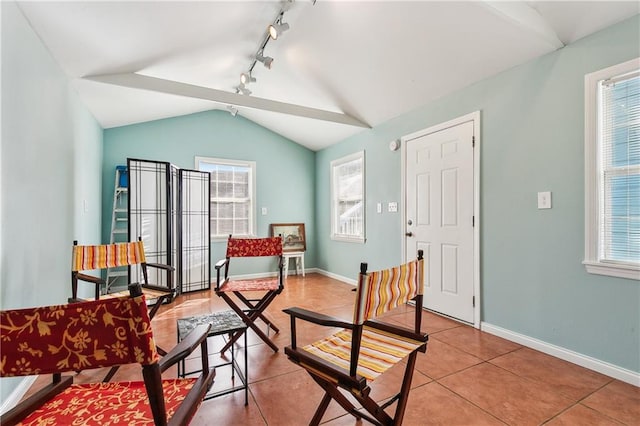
169,209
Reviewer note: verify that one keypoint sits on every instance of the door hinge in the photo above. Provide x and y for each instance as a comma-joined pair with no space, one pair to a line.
473,221
473,141
473,301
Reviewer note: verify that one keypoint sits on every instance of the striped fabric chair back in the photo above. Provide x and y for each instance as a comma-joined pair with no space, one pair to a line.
253,247
86,258
382,291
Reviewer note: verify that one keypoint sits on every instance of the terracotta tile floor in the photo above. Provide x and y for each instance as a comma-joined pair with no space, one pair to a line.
467,377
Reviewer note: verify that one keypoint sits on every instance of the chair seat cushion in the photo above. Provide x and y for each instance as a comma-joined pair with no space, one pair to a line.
379,350
150,294
115,403
268,284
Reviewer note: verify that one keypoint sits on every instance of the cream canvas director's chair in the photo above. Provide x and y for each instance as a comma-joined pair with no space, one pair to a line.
354,357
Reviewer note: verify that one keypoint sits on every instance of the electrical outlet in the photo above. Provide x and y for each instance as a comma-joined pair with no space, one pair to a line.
393,207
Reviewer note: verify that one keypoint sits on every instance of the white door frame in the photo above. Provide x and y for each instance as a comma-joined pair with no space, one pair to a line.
475,118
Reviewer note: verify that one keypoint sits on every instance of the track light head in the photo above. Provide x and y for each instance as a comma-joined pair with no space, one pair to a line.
267,61
242,89
232,110
277,28
246,78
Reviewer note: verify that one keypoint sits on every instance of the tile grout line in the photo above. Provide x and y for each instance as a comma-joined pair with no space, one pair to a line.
464,398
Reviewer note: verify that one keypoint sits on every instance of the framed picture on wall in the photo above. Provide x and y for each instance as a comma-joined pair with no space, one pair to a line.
293,237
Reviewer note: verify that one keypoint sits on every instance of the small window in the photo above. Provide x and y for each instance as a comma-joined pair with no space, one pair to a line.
347,198
232,196
612,145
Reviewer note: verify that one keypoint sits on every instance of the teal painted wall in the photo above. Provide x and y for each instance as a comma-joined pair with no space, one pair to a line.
51,159
285,170
532,139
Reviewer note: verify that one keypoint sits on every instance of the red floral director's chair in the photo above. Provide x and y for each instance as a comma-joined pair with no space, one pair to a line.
270,287
92,334
367,347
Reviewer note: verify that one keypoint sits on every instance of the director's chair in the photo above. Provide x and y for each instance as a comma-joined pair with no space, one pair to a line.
92,334
354,357
269,287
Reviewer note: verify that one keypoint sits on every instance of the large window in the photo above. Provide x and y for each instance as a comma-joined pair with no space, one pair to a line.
347,198
232,196
612,146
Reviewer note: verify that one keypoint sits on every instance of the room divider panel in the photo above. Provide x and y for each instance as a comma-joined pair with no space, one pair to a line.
169,209
194,242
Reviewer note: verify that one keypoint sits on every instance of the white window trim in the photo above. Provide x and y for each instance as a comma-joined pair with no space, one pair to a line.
338,237
592,223
252,189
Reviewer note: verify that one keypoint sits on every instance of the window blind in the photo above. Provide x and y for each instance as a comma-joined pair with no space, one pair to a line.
619,178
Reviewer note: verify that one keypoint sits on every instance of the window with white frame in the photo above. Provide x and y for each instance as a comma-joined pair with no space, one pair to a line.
347,198
232,196
612,171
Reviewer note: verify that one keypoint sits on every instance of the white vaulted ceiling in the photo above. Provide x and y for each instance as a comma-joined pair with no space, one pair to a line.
360,62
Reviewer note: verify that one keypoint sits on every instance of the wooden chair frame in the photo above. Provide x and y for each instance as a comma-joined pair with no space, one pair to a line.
152,379
331,377
253,308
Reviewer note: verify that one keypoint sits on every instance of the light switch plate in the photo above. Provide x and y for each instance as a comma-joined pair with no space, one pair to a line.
544,200
379,208
264,211
393,207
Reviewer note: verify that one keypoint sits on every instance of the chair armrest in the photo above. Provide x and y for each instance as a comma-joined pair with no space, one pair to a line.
90,278
161,266
196,337
35,401
158,288
221,263
398,330
317,318
188,407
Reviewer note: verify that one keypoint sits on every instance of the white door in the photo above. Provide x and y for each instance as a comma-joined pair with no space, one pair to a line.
439,216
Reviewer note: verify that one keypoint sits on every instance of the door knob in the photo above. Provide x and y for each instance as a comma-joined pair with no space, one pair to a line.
409,234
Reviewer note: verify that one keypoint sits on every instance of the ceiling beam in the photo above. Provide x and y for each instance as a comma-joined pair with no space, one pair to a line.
526,17
143,82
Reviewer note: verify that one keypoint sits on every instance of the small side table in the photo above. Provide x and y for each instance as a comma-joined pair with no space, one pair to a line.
226,322
298,256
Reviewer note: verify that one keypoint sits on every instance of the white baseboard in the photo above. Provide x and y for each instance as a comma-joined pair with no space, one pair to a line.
17,394
586,361
336,277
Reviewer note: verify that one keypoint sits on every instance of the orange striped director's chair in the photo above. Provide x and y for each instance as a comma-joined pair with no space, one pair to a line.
86,258
366,348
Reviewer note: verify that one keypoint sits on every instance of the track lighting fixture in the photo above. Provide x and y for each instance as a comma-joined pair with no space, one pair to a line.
277,28
273,32
246,78
242,89
267,61
232,110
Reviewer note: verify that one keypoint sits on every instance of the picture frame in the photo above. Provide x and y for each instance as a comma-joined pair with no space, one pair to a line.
293,236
